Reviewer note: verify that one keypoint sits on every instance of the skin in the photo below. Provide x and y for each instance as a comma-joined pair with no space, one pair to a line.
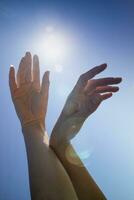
84,99
48,178
29,98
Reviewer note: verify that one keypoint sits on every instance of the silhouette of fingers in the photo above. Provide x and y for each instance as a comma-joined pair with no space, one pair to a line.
12,81
106,89
20,73
106,96
28,66
90,74
36,72
45,87
24,71
107,81
92,84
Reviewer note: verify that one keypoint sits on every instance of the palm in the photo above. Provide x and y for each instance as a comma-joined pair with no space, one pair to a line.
30,99
84,100
81,104
27,103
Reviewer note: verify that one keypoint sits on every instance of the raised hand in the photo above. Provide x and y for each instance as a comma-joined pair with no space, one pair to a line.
84,99
30,100
29,97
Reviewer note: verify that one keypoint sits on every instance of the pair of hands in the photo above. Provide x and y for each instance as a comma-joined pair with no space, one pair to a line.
30,98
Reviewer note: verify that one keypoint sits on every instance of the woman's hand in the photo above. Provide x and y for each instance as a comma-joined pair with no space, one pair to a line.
84,99
47,177
29,97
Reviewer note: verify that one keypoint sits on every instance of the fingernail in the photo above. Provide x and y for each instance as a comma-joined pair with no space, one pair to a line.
119,78
48,73
35,57
117,88
28,53
104,64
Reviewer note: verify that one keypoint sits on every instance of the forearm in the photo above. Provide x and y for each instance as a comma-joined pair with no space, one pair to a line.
46,174
35,149
84,185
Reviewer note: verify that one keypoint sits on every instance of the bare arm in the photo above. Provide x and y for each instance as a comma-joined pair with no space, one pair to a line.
48,179
84,185
81,103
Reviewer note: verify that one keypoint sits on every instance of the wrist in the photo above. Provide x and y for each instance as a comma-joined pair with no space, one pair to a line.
57,145
33,125
35,131
65,129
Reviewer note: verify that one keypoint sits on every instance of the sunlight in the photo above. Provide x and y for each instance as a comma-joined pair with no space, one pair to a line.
53,47
58,68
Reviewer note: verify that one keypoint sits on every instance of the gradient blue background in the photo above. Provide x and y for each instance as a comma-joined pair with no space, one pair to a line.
97,32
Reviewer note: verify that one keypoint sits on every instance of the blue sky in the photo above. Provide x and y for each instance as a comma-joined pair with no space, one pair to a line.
95,32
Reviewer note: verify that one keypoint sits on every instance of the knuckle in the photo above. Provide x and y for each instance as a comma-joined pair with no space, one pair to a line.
81,77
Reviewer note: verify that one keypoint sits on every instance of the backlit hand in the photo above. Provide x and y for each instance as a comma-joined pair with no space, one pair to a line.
29,97
84,99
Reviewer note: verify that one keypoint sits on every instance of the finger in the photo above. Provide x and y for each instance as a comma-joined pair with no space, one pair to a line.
106,89
90,74
20,73
12,82
106,96
92,84
45,86
107,81
28,66
36,72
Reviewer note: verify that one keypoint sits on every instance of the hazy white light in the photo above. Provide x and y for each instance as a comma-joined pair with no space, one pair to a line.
49,29
63,90
58,68
53,47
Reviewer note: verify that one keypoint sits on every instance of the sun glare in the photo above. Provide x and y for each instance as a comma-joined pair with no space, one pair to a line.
52,47
58,68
